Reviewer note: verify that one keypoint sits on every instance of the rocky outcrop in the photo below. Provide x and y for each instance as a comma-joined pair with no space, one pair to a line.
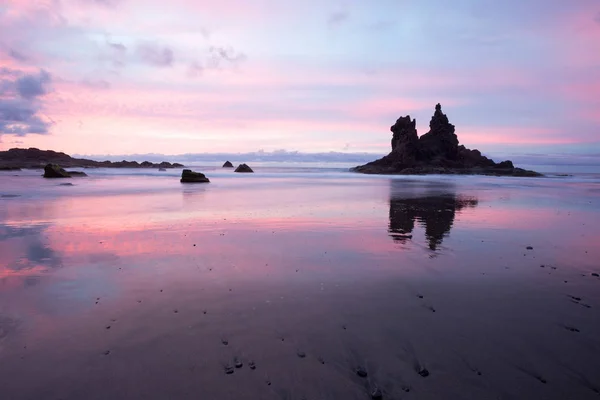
35,158
228,164
436,152
55,171
189,176
243,168
76,174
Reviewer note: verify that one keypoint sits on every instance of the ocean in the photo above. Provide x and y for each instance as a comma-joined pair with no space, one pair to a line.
283,283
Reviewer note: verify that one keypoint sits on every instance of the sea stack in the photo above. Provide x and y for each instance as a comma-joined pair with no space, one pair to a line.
243,168
189,176
227,165
55,171
436,152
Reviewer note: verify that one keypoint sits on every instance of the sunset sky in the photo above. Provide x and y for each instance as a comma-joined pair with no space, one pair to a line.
196,76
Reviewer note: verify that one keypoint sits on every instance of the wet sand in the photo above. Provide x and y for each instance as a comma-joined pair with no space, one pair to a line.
279,286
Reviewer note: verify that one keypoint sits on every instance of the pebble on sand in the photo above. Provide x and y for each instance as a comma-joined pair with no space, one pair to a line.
377,394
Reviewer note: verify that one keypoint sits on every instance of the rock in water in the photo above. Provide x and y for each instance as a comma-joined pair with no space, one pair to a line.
227,165
189,176
436,152
243,168
76,173
55,171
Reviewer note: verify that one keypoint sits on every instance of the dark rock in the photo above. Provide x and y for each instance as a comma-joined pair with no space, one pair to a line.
595,274
189,176
76,174
15,159
377,394
55,171
227,165
436,152
243,168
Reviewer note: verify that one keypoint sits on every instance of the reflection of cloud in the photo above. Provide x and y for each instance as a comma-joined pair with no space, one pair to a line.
8,326
435,213
28,249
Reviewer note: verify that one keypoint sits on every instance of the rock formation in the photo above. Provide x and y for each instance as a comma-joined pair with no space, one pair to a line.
14,159
55,171
243,168
189,176
227,165
76,173
436,152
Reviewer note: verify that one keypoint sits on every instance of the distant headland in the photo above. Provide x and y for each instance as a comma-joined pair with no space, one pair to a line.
436,152
15,159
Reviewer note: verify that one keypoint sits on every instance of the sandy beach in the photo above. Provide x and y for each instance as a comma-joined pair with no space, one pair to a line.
290,283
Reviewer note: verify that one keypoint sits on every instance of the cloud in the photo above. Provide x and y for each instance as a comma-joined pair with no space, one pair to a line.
31,86
155,55
337,18
16,55
117,54
195,69
218,55
105,3
96,83
20,105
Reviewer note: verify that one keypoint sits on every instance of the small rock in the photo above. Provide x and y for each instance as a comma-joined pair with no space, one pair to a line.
189,176
243,168
377,394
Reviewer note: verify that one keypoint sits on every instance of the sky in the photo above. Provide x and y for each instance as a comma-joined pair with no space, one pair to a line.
200,76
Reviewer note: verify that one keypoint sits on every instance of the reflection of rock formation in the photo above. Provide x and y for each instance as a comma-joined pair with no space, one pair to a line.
435,213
